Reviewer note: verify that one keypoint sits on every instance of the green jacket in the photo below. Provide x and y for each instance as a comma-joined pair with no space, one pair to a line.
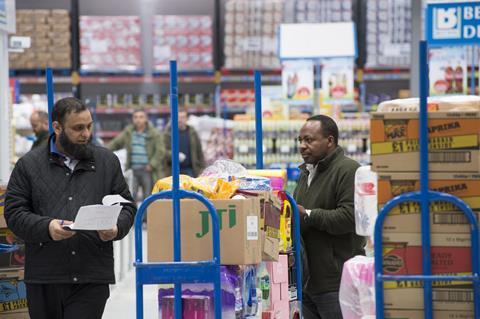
329,231
154,144
42,138
198,161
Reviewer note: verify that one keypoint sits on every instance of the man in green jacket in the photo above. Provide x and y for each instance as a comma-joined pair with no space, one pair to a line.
191,154
145,152
39,123
324,195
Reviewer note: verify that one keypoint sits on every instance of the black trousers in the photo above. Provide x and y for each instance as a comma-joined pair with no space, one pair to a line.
67,301
321,306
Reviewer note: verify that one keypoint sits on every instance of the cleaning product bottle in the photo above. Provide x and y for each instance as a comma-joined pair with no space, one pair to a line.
238,303
366,209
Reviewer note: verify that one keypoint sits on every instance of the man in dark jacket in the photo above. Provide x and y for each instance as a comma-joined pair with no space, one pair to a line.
191,154
39,123
324,195
67,273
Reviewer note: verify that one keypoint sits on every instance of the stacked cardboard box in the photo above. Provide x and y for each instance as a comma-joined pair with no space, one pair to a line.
454,129
50,33
13,302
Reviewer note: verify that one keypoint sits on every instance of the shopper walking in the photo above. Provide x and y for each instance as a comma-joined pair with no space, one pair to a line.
324,194
39,123
67,273
191,154
145,152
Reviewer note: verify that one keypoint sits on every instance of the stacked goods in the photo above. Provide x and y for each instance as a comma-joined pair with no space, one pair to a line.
187,39
453,127
252,229
318,11
13,302
50,33
251,33
389,33
110,44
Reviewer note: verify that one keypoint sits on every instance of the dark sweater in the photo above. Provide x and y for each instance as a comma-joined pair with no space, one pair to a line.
329,232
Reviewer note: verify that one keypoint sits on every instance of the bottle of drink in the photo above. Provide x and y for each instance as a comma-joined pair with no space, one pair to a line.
366,209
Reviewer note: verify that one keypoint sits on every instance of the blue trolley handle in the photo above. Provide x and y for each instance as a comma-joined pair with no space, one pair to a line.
296,247
6,248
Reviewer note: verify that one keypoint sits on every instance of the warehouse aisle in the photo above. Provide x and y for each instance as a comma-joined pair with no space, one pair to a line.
121,303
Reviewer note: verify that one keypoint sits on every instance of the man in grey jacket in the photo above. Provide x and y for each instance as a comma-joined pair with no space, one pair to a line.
67,274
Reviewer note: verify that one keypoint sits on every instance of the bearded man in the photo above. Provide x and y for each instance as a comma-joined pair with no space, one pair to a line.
67,273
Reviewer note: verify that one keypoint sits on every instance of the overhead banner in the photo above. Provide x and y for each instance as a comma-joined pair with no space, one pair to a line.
297,80
337,81
448,70
453,23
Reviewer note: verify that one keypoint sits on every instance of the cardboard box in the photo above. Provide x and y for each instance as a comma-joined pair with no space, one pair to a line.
453,145
453,222
279,302
13,294
417,314
445,217
16,315
450,253
409,296
239,236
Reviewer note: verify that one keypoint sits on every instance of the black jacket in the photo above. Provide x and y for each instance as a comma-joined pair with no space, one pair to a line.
329,232
42,188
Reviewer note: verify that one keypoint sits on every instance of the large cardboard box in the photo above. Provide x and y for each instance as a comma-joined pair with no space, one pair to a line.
453,142
239,236
445,217
13,294
450,253
418,314
446,296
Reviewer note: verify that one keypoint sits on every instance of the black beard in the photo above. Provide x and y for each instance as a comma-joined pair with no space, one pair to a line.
77,151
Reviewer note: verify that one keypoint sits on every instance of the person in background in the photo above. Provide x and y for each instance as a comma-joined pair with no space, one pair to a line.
325,197
191,154
145,152
39,123
67,273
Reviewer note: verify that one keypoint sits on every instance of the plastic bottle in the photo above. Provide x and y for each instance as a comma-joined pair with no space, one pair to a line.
366,209
238,303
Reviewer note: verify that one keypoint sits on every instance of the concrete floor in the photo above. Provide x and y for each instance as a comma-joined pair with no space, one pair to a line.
122,304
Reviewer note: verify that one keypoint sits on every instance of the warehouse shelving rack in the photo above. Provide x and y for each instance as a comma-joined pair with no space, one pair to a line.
424,197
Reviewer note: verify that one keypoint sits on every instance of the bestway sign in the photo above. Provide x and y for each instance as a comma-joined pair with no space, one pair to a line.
453,23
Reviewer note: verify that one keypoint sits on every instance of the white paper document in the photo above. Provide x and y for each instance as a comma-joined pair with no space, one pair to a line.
99,217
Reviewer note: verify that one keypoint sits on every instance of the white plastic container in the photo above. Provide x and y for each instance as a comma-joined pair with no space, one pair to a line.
366,209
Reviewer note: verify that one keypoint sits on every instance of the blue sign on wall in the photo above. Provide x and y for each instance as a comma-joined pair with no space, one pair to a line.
453,23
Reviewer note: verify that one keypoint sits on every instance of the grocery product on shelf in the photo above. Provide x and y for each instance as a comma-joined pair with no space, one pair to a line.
280,145
318,11
388,33
110,44
50,37
251,33
187,39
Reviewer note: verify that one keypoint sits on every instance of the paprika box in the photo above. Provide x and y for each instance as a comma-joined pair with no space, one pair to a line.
453,142
240,238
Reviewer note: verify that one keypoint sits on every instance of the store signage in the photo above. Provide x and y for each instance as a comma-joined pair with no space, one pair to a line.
453,23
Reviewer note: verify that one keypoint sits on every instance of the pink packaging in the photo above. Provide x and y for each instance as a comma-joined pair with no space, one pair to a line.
195,307
279,300
110,44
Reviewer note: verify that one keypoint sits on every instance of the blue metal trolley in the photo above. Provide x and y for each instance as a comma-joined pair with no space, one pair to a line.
177,272
424,197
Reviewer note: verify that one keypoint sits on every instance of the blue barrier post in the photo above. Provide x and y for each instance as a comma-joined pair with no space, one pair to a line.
50,97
